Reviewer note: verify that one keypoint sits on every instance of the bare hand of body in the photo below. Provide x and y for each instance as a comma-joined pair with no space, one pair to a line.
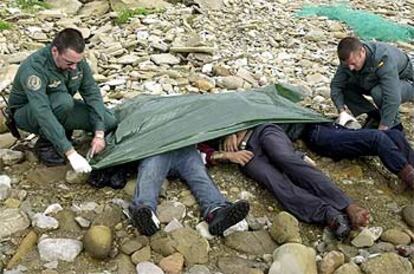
241,157
231,143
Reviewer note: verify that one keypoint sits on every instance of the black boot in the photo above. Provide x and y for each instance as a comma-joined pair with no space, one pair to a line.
47,154
222,218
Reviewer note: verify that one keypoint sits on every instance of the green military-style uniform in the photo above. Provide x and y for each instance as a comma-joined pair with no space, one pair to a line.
42,101
387,76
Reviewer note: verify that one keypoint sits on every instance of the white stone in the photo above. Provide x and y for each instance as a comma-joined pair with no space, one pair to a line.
148,268
173,225
53,209
5,185
240,226
43,221
82,222
207,69
153,87
202,228
142,35
59,249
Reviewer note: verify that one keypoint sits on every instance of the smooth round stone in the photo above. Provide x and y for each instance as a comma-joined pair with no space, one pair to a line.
98,241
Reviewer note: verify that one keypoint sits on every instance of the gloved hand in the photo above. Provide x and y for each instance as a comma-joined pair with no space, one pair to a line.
344,118
78,163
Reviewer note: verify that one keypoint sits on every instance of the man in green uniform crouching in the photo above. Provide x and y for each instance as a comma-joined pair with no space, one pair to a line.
41,101
374,69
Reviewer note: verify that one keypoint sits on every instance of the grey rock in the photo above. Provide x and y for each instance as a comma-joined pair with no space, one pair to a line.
293,258
285,229
381,247
230,82
168,211
118,5
142,255
69,7
331,262
387,263
59,249
164,59
408,215
130,246
364,239
252,242
73,177
97,8
110,216
124,264
235,265
198,269
210,4
7,140
396,237
191,245
10,157
129,188
12,221
162,244
15,58
348,268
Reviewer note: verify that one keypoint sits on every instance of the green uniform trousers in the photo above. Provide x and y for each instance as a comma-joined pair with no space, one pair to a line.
358,104
71,113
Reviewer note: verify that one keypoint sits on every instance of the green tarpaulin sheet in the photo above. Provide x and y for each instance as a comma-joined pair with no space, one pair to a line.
150,125
366,25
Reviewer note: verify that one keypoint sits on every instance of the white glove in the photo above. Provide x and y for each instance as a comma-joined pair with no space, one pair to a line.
344,118
78,163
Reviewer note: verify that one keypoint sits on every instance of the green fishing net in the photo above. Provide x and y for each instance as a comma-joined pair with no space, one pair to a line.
365,24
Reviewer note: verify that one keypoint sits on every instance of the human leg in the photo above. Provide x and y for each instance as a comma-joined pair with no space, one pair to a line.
218,212
152,171
44,149
79,118
303,204
282,155
339,143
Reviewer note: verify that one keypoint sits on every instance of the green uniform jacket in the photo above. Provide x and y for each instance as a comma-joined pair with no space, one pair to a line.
39,77
385,65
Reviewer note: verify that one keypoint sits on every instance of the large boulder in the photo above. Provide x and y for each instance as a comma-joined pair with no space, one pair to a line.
387,263
70,7
293,258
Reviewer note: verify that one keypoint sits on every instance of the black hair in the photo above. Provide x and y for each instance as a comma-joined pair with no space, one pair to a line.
69,39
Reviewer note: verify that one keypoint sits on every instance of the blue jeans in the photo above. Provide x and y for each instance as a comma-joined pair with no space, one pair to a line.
338,142
184,163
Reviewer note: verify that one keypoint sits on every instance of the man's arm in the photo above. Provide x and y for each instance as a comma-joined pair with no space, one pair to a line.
213,157
34,85
338,84
90,93
389,82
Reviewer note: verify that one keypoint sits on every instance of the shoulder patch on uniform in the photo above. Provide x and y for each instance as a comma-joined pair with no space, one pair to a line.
33,82
380,64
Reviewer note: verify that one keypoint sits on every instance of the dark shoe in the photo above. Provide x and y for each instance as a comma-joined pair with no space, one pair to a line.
341,226
47,154
222,218
144,220
97,178
407,175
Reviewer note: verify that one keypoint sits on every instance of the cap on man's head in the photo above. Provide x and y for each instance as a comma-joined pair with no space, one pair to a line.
348,45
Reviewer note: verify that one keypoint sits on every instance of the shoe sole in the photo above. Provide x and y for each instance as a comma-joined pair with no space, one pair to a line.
237,213
144,223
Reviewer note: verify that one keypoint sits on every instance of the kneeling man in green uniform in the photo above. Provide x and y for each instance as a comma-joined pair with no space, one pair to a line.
41,101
